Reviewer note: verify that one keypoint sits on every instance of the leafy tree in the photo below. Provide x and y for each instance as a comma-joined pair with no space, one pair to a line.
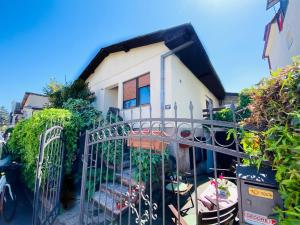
4,117
59,94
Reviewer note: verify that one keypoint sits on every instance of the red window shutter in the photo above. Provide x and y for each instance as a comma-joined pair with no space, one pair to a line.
129,90
144,80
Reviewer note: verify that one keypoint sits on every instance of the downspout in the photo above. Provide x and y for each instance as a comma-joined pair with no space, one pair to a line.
162,107
162,74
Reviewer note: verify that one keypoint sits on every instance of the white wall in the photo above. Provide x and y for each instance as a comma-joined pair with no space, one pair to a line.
180,83
122,66
278,49
185,88
36,101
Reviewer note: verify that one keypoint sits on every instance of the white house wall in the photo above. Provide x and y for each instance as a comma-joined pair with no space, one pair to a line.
185,88
122,66
180,83
282,46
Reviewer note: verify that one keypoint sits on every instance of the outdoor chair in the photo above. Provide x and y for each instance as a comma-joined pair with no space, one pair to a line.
171,184
227,216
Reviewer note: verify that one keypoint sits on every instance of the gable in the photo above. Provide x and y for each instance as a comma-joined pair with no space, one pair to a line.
119,62
193,57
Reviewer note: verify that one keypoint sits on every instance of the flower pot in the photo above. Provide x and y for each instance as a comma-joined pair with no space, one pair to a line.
136,141
184,134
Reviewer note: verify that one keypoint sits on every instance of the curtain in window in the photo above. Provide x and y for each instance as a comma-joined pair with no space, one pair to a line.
144,80
129,90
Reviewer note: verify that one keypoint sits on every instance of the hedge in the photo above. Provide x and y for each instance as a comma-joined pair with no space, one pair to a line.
24,141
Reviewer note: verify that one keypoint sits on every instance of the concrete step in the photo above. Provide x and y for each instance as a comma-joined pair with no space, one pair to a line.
115,189
106,200
126,177
126,164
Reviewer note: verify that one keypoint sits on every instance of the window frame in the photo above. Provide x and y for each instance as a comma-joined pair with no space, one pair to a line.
138,97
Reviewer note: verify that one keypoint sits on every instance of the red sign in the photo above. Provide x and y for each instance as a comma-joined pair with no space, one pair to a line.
256,219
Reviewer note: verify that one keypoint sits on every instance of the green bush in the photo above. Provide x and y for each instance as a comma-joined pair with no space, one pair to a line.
275,114
241,111
84,111
24,141
141,160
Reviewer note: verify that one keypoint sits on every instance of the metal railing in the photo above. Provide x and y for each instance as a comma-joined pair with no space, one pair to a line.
128,168
48,175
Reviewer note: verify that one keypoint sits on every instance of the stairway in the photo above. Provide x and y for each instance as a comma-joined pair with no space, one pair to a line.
112,195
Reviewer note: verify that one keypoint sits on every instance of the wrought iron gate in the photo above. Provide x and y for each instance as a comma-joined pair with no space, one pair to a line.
129,165
48,176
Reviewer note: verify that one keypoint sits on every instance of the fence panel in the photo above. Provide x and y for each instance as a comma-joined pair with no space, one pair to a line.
151,170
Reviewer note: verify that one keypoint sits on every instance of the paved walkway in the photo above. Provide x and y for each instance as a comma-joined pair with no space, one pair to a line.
24,209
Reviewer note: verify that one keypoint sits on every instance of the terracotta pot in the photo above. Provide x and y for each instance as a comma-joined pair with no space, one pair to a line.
184,134
135,141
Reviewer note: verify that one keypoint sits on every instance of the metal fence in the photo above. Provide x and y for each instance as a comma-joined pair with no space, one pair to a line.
148,170
48,176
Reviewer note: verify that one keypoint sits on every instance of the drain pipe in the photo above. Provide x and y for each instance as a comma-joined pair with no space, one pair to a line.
162,107
162,74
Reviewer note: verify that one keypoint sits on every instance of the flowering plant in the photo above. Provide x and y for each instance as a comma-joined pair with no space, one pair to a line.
222,186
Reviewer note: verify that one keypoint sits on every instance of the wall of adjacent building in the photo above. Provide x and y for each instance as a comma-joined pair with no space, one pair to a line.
36,101
282,46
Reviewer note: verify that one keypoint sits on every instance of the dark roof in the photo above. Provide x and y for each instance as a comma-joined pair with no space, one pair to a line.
193,57
231,94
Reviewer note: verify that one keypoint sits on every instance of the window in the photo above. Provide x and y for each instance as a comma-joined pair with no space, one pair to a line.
144,94
136,92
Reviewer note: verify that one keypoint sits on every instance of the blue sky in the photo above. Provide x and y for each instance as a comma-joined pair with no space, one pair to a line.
40,40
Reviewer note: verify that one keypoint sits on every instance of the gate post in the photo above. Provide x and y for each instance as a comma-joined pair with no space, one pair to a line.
83,180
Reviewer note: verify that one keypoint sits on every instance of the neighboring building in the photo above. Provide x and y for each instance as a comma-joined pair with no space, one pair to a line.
15,114
230,98
33,102
128,75
282,34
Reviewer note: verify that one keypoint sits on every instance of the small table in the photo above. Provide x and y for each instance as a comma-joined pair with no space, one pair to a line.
209,200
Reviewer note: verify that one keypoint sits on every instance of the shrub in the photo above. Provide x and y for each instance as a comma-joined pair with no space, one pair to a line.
241,112
84,111
275,113
143,156
24,141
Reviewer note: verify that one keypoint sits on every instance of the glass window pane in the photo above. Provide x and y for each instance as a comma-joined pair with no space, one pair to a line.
129,103
144,95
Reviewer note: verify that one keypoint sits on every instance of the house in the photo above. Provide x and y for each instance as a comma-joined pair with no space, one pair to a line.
15,114
158,68
282,34
33,102
128,74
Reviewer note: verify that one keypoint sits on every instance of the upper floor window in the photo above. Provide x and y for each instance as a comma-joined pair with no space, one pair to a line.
136,92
